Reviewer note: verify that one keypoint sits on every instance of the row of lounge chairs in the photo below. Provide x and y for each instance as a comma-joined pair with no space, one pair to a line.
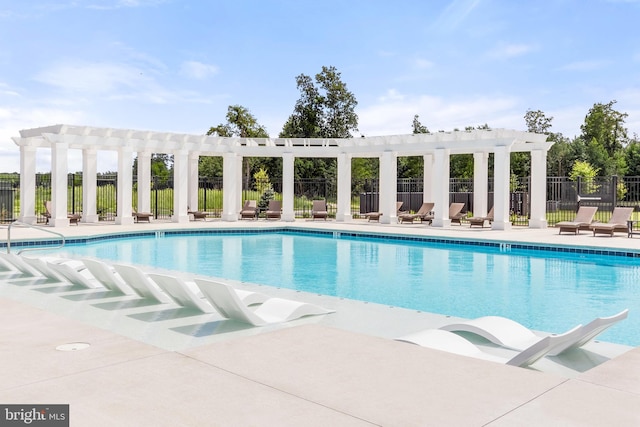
274,210
584,221
507,333
201,295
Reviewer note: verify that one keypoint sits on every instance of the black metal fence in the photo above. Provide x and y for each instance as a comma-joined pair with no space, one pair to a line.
564,196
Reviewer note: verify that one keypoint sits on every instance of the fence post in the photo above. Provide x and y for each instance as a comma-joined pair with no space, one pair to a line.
614,191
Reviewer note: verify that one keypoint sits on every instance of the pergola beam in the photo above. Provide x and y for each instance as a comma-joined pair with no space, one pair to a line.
436,148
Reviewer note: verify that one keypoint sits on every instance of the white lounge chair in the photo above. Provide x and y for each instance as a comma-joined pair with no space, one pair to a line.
274,310
16,262
193,291
592,330
106,275
73,276
448,341
511,334
141,283
41,268
181,293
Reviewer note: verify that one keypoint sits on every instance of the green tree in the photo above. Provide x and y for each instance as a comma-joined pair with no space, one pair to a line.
418,127
587,173
605,125
240,123
558,156
632,157
413,166
326,109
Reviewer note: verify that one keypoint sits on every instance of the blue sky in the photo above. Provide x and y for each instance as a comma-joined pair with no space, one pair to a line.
176,65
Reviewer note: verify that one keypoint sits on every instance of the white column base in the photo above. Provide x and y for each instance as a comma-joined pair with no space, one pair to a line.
90,218
442,223
229,217
59,222
127,220
180,219
344,218
28,219
501,225
540,223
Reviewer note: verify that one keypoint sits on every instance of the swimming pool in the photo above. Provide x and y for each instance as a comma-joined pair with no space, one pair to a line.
544,290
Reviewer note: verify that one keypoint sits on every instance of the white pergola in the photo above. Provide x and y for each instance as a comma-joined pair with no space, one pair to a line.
436,148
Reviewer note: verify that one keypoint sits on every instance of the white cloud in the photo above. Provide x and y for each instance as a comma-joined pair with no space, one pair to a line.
454,14
15,119
91,78
393,113
506,51
197,70
584,66
423,64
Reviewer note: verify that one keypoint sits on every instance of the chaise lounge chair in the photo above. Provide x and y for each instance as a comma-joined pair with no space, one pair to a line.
511,334
198,214
617,222
450,342
274,210
181,294
480,220
455,212
73,218
319,209
188,294
106,275
75,277
249,210
141,216
375,216
423,214
583,219
141,283
274,310
45,267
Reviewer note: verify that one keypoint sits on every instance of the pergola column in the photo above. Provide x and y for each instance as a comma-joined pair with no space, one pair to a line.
239,182
480,183
124,192
193,200
180,186
441,172
344,188
538,189
501,179
288,171
388,187
28,184
427,178
59,184
89,185
231,188
144,181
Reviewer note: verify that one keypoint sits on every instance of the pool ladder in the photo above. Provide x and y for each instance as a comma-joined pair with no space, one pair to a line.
35,227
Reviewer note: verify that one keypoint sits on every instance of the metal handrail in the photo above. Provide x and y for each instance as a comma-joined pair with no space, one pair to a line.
36,228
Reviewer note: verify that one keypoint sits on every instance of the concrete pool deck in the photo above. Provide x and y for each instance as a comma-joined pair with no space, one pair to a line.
156,367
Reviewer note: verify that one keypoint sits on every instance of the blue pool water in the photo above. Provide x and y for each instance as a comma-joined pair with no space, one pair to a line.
549,291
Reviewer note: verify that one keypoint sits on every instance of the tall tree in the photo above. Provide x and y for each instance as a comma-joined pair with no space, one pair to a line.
413,166
240,123
605,125
326,109
558,157
417,126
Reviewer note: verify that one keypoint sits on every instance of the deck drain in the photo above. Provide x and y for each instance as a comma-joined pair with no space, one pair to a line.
74,346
